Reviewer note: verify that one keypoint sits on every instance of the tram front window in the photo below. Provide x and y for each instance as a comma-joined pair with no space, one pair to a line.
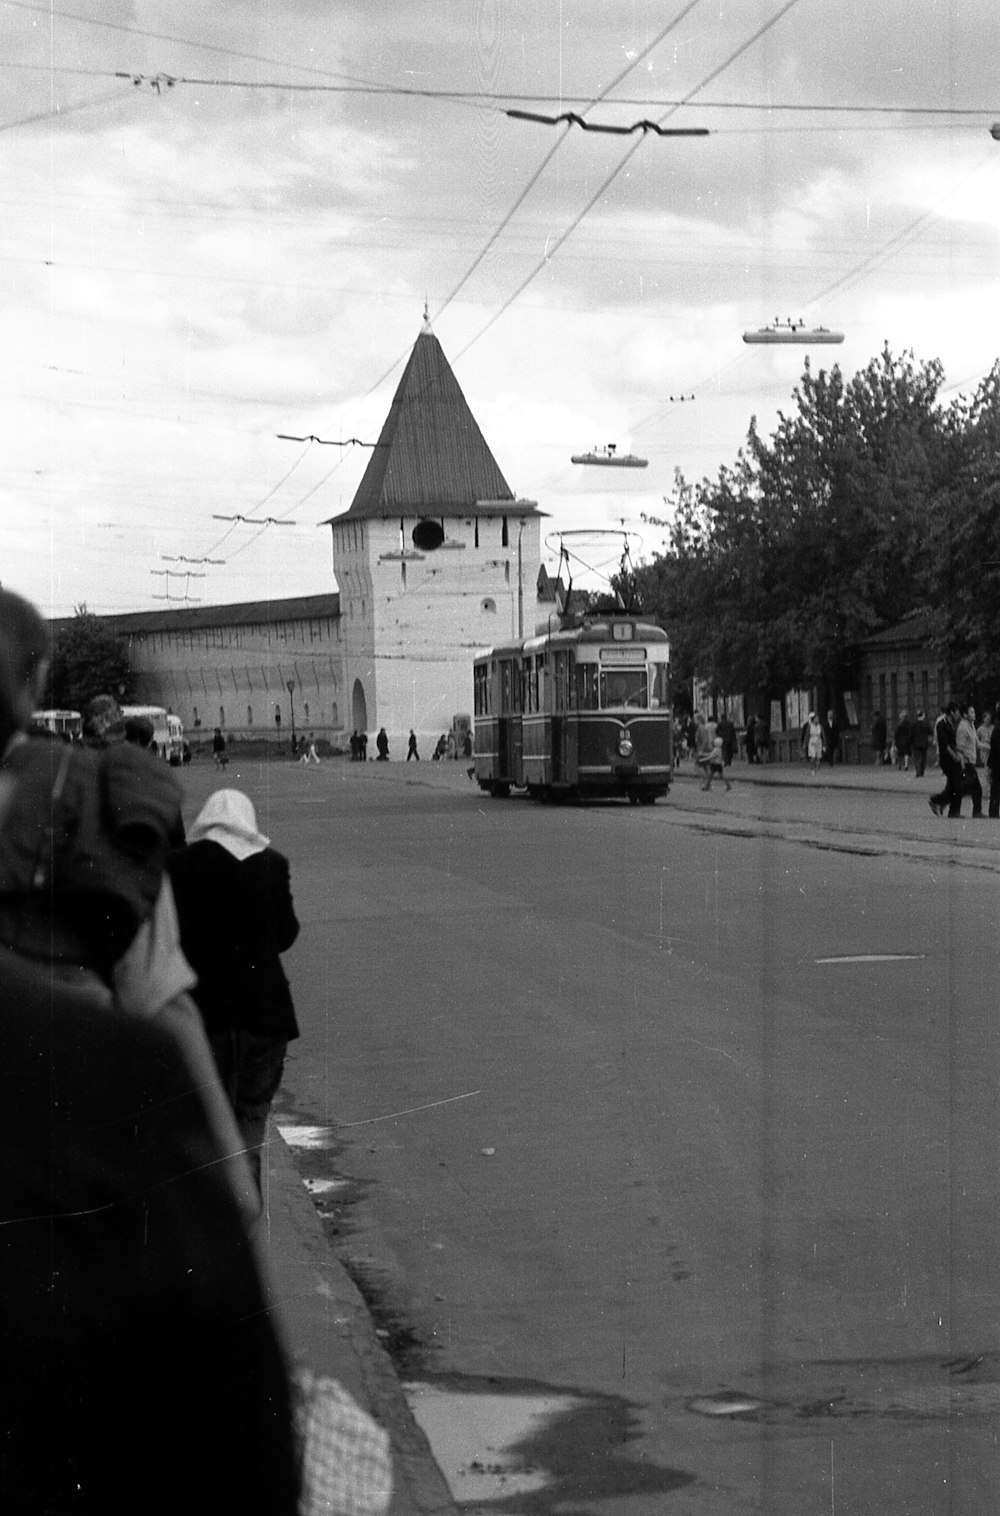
624,687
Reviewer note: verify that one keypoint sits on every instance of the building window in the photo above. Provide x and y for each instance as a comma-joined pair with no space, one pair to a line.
249,715
504,534
197,718
489,605
222,715
306,709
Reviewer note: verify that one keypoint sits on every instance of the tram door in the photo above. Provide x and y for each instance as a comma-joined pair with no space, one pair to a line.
510,741
565,751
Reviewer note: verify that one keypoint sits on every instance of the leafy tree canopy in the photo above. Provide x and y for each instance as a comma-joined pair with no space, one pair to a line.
869,501
87,660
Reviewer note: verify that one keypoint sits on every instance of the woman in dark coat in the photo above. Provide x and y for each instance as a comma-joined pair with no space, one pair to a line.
234,905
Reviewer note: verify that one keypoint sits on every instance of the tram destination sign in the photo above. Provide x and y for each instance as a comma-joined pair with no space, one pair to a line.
623,655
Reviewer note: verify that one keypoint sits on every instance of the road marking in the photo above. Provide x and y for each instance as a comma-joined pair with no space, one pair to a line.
874,958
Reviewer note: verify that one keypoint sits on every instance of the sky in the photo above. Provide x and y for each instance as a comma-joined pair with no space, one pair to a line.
224,223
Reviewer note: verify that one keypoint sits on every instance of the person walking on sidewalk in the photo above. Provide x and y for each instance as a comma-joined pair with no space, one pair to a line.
411,747
920,741
968,747
234,904
814,742
993,767
949,762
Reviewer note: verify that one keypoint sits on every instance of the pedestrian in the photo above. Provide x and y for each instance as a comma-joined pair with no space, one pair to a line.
751,739
309,753
704,742
815,743
440,748
363,747
725,729
411,747
219,748
139,1347
984,732
715,768
993,766
382,743
920,739
949,761
968,748
354,746
880,733
903,741
139,731
234,905
142,1368
832,739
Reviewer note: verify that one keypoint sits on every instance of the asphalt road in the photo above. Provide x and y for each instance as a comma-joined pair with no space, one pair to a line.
688,1114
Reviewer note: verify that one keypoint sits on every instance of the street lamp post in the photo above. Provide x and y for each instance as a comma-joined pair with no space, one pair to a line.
291,705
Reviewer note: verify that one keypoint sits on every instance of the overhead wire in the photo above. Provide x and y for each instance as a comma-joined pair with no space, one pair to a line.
609,180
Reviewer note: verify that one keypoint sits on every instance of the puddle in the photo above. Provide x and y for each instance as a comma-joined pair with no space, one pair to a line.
515,1447
299,1136
321,1187
474,1437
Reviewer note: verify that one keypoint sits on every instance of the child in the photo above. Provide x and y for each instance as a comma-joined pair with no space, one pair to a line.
716,766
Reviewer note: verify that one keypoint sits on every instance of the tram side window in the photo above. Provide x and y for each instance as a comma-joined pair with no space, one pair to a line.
481,690
565,692
586,686
505,691
529,676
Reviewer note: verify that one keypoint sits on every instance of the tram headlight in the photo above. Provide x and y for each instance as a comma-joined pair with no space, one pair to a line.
625,745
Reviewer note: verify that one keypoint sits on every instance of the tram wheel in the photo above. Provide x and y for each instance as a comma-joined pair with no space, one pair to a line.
500,791
633,798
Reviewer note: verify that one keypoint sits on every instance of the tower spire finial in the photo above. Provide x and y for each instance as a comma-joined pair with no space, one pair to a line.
427,317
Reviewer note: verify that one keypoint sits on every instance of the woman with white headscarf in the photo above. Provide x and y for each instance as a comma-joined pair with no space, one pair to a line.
234,904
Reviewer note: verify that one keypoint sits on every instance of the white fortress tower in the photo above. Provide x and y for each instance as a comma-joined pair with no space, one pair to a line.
435,560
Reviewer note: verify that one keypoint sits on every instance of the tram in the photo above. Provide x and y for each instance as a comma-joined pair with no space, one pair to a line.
578,712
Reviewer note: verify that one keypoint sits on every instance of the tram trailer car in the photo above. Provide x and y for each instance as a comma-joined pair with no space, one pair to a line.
580,712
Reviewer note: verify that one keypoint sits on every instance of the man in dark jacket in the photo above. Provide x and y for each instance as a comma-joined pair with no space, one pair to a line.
234,904
949,761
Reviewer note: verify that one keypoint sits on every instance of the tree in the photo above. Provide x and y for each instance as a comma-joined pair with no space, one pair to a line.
87,660
775,571
965,541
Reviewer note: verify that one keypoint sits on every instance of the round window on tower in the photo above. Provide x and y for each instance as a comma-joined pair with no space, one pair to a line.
427,535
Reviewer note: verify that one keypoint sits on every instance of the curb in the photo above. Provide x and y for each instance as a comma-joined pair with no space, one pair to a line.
324,1321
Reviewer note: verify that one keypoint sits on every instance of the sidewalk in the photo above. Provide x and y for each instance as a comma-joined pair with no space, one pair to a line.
326,1324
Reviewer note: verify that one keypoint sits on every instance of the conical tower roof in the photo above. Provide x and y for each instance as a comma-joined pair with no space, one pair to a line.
431,457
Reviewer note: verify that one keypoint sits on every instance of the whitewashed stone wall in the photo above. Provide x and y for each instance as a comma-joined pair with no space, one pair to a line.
236,676
413,619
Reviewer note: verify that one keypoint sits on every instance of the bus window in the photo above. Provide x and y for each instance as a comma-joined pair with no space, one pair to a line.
627,687
586,686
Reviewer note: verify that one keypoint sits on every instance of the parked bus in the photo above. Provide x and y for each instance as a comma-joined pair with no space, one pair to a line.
168,730
582,711
62,723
